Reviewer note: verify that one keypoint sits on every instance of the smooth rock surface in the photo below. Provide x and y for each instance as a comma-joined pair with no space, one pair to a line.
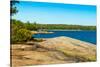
53,51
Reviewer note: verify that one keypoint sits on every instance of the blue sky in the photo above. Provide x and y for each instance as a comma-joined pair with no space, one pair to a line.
56,13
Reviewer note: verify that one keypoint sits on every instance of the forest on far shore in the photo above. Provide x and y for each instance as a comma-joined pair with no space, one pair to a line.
36,26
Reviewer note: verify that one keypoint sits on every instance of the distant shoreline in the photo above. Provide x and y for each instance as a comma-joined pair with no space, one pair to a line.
70,30
44,32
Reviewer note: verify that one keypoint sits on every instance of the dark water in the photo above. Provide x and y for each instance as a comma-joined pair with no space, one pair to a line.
88,36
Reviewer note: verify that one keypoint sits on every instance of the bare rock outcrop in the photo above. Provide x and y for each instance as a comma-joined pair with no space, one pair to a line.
52,51
71,47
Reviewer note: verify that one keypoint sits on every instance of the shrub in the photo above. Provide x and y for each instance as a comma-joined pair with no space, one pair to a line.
21,35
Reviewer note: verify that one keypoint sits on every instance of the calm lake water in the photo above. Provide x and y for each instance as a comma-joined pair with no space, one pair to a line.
88,36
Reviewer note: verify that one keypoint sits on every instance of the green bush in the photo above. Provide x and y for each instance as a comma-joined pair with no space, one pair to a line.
21,35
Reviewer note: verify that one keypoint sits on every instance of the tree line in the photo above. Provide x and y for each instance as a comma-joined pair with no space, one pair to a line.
36,26
63,27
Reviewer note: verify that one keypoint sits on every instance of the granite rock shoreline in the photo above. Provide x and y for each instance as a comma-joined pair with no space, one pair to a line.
57,50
